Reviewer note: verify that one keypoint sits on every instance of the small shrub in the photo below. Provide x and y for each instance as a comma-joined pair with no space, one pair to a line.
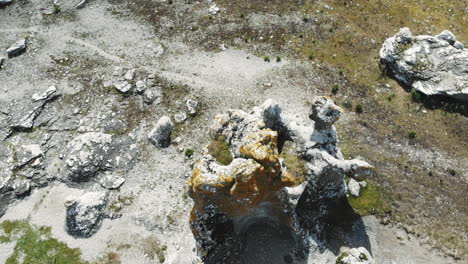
412,135
359,108
56,9
305,19
189,152
347,104
415,95
311,56
391,97
453,172
278,59
335,89
266,59
219,149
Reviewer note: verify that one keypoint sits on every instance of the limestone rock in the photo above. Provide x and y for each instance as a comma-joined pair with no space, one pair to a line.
432,65
192,106
86,155
44,95
111,181
85,213
27,153
180,117
354,187
257,184
160,136
123,86
17,48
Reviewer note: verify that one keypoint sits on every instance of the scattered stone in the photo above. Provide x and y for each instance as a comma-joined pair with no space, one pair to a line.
160,136
118,72
223,47
192,106
432,65
148,96
214,9
180,117
17,48
129,75
81,4
111,181
354,187
140,86
2,60
85,214
123,86
44,95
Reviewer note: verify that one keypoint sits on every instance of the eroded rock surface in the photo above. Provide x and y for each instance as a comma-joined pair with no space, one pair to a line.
432,65
257,186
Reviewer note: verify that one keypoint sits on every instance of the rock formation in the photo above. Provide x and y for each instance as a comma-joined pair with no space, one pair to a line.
432,65
258,186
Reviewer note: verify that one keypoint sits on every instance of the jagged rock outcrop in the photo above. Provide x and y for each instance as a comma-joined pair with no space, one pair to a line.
85,213
432,65
258,185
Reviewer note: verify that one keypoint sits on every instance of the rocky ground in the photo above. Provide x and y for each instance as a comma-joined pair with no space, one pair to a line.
83,83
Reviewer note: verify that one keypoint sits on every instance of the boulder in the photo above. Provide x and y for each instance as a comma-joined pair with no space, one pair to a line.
17,48
160,136
432,65
85,213
354,187
4,3
86,155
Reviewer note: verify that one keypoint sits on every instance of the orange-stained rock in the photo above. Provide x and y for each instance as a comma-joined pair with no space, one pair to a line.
261,146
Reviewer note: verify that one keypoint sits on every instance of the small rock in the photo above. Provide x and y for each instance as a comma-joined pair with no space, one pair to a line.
17,48
180,117
118,72
44,95
148,96
160,136
81,4
354,187
140,86
214,9
111,181
223,47
123,86
2,59
191,106
129,75
177,140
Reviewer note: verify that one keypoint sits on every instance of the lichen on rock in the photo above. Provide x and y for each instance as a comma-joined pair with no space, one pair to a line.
257,186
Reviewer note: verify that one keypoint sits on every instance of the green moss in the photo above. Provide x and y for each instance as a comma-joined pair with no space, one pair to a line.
294,163
35,245
189,152
412,135
371,201
339,260
359,108
219,149
266,59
